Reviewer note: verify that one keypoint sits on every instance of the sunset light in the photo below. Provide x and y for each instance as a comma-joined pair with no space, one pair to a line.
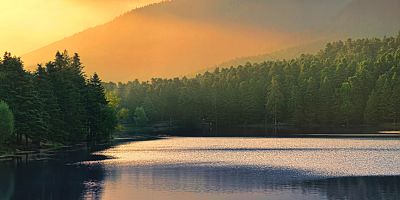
200,99
29,24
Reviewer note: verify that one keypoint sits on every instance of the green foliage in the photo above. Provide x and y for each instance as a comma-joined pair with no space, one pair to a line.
275,100
56,102
6,123
345,101
347,83
108,123
70,90
113,100
102,118
18,90
140,117
123,114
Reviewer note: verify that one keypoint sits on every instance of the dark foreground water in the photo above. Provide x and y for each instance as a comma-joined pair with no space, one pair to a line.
215,168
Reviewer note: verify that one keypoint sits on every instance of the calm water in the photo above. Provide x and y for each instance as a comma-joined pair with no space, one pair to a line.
215,168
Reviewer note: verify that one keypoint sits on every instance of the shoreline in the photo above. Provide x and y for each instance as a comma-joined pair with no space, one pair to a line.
262,130
41,154
282,133
307,135
49,153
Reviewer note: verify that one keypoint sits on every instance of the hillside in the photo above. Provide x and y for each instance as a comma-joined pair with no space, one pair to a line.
359,18
180,37
311,47
350,83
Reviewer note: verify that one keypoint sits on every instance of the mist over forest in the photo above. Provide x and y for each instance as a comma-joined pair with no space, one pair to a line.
181,37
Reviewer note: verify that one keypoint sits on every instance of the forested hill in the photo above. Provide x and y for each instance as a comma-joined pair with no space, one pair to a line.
350,82
179,37
359,18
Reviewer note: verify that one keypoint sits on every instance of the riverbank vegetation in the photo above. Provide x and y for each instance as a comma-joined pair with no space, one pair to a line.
57,103
352,82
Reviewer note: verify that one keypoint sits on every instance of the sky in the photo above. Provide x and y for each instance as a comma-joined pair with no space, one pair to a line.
30,24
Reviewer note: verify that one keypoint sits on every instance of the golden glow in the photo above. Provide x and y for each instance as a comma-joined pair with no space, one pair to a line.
166,46
308,154
30,24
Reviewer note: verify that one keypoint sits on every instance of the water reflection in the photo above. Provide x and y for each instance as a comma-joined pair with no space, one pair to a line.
328,157
50,180
252,168
374,188
44,181
213,169
174,182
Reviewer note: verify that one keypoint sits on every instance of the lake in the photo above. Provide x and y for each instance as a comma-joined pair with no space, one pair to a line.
215,168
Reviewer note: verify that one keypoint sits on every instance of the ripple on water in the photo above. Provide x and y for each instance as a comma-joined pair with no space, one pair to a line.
319,157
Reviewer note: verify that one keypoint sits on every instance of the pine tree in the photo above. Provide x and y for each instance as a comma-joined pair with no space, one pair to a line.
18,90
50,107
68,81
345,102
96,108
6,123
395,100
275,100
140,117
249,105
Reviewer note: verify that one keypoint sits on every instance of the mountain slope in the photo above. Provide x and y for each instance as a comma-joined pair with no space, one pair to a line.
369,17
359,18
184,36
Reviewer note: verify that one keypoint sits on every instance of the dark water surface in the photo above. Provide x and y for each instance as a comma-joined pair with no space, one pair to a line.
215,168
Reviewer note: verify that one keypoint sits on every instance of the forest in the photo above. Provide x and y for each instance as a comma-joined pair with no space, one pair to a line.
55,104
349,83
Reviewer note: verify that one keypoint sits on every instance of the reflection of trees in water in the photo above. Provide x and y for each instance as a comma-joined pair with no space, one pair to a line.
208,179
373,188
227,179
47,181
7,182
55,181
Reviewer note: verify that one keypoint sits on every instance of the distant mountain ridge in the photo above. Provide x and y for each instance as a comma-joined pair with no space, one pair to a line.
178,37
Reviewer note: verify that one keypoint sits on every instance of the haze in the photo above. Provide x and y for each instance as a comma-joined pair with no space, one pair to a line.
184,37
30,24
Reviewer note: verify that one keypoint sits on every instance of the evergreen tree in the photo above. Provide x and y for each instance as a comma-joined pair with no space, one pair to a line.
68,81
18,90
140,117
395,100
345,102
50,107
275,100
6,123
351,82
52,103
96,103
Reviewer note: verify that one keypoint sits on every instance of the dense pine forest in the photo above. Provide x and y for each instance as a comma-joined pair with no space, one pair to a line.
54,104
349,83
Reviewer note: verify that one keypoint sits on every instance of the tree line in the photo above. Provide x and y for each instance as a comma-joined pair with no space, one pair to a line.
55,103
352,82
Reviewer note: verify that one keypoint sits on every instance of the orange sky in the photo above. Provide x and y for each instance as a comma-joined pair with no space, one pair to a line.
29,24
